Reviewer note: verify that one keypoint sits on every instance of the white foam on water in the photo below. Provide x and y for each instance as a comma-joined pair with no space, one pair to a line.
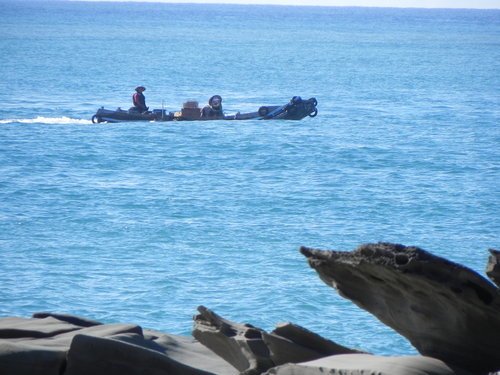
46,120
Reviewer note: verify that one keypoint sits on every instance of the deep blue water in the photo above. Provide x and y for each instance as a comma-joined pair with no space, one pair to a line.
143,222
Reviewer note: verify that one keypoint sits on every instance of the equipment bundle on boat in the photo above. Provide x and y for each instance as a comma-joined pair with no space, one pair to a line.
296,109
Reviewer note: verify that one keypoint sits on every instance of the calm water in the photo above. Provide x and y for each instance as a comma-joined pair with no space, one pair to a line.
143,222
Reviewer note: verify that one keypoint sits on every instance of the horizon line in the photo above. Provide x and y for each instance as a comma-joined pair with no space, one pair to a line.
271,3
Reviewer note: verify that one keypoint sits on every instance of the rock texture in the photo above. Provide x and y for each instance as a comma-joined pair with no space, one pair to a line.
58,344
445,310
493,266
363,364
252,350
97,355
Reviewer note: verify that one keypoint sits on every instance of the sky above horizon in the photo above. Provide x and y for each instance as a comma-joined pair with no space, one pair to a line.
479,4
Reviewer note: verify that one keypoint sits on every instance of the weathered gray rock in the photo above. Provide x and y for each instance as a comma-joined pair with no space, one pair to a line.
13,327
493,266
445,310
290,343
72,319
22,359
307,339
364,364
39,346
104,356
28,346
239,344
283,351
63,340
189,351
252,350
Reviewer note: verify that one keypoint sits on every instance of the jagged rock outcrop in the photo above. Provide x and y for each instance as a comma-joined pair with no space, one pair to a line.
252,350
59,344
493,266
285,350
445,310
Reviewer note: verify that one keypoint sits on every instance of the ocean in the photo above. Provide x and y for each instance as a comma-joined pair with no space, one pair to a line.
143,222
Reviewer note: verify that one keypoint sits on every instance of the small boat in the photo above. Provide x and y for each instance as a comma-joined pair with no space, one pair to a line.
296,109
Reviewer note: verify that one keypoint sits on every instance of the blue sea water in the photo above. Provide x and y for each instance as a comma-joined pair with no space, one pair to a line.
143,222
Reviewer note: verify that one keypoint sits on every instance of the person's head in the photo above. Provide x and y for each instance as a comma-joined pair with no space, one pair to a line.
215,101
140,89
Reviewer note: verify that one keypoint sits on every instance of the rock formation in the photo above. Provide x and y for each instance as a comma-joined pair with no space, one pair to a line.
56,344
448,312
252,350
445,310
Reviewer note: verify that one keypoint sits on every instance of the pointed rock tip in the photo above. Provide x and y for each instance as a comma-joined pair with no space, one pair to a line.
306,251
311,253
494,251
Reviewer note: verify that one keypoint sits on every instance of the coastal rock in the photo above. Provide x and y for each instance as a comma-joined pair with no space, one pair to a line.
252,350
72,319
46,345
310,340
357,364
239,344
445,310
22,359
493,266
40,345
63,341
189,351
107,356
13,327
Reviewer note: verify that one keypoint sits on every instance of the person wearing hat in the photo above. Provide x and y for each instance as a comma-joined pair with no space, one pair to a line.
139,99
214,108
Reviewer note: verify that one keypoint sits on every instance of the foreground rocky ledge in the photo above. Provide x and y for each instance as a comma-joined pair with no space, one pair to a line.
55,344
447,311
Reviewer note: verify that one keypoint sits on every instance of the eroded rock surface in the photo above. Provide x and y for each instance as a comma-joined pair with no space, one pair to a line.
111,356
493,266
445,310
60,344
252,350
239,344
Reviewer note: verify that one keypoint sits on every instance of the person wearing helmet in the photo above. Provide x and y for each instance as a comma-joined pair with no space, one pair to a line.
214,108
139,99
